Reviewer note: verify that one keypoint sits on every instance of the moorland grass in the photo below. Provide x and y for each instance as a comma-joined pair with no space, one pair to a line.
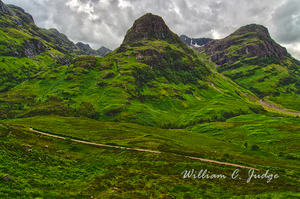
74,170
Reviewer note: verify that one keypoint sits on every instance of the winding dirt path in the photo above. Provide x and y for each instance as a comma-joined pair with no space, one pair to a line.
272,106
92,143
223,163
143,150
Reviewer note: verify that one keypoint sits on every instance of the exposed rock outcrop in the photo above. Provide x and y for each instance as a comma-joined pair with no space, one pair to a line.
6,177
34,47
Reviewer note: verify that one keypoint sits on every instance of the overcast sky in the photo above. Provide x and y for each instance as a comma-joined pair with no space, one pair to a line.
105,22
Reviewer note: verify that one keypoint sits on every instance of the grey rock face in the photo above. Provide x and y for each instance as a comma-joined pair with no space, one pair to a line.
4,8
33,48
194,41
6,177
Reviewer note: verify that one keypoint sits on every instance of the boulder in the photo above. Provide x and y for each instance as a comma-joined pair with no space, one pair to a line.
6,177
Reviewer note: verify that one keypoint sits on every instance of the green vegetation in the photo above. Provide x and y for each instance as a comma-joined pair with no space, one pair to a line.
26,50
148,94
86,171
110,89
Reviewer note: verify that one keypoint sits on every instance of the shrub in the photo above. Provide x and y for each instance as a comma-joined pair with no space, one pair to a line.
291,157
74,147
255,147
226,155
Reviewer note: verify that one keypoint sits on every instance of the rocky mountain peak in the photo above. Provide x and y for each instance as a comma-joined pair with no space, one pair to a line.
250,41
20,12
19,16
4,9
254,29
84,47
148,27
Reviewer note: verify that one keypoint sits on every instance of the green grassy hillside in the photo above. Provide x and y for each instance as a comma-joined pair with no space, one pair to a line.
254,61
26,49
112,89
23,49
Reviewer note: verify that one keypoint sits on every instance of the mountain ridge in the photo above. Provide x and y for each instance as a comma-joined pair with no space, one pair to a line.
102,51
26,49
255,40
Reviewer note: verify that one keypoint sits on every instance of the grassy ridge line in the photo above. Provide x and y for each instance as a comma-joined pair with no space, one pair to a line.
148,151
92,143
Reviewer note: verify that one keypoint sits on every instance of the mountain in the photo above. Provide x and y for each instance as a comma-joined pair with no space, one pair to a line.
251,41
194,41
87,50
102,51
152,79
150,41
26,49
252,59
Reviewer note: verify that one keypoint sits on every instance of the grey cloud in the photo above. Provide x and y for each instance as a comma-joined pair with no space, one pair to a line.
286,20
191,17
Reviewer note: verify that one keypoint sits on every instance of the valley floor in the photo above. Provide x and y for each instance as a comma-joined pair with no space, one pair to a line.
90,159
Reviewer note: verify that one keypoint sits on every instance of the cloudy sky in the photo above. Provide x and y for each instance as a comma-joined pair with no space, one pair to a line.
105,22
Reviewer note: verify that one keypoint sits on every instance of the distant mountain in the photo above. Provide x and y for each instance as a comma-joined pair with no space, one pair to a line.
194,41
87,50
102,51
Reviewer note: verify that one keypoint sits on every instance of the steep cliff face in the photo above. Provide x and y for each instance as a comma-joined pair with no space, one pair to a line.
251,41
